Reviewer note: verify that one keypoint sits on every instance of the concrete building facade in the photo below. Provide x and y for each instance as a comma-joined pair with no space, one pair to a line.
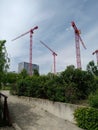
26,66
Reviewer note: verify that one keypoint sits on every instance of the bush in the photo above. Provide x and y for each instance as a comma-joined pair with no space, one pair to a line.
93,99
22,87
72,85
87,118
13,89
71,93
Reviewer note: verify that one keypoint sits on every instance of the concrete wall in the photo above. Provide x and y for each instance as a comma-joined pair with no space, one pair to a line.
62,110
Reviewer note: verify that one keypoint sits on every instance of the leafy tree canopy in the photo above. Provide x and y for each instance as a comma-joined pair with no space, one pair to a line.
4,60
92,68
23,74
36,72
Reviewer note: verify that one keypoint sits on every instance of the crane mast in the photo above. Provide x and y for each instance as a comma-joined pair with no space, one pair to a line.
31,31
54,56
77,39
96,52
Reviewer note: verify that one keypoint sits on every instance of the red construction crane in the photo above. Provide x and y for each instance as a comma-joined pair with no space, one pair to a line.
31,31
77,39
54,54
96,55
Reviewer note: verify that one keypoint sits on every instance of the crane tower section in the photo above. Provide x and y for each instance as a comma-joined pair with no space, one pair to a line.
54,56
77,40
31,31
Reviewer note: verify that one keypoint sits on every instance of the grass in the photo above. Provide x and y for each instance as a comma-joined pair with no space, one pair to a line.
5,88
83,102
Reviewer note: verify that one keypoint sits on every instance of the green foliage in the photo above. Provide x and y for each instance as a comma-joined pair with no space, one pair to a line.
34,86
13,89
7,87
31,86
71,93
3,57
22,87
23,74
83,82
11,77
71,85
4,60
87,118
93,99
35,73
54,89
10,81
92,68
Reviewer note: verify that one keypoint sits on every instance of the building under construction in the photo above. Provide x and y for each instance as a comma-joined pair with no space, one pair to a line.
26,66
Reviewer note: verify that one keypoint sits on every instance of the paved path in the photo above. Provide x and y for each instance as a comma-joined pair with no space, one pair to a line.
30,117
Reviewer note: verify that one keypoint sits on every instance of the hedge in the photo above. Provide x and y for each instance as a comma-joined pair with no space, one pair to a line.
87,118
93,99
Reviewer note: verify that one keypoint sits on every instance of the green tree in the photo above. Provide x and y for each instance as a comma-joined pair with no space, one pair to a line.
23,74
4,60
92,68
68,74
80,81
11,77
93,99
35,72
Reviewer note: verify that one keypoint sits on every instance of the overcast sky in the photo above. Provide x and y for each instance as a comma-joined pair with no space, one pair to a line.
53,18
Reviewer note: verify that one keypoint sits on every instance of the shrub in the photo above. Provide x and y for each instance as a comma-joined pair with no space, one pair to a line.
22,87
87,118
71,93
93,99
13,89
